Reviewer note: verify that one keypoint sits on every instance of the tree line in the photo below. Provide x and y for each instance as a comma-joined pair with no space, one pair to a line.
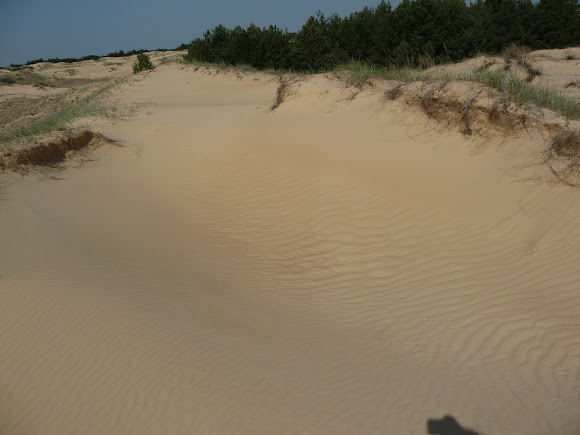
415,30
120,53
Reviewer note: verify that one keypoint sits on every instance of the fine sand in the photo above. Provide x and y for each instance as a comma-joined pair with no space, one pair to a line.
341,264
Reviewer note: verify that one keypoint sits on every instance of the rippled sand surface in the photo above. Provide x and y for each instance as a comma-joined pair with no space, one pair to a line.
329,267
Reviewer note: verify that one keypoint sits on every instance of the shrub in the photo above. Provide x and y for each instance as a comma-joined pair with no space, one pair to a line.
143,63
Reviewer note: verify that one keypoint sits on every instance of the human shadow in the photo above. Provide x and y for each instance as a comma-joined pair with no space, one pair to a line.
448,426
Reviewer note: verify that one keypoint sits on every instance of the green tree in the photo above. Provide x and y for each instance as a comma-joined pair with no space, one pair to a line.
143,63
557,23
313,49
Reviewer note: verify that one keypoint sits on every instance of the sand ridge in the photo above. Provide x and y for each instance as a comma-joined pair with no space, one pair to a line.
339,264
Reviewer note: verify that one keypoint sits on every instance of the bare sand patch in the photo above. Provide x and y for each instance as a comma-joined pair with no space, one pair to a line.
339,264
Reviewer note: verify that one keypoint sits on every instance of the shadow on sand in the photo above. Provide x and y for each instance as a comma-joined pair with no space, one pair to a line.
448,426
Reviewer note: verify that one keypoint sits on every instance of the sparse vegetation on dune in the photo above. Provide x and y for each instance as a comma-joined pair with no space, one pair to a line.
513,87
241,68
120,53
171,59
523,92
27,77
361,72
87,105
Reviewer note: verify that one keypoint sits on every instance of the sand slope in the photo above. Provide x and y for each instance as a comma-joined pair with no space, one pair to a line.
338,265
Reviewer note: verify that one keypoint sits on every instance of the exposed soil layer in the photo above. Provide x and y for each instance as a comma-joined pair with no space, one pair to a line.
280,94
48,153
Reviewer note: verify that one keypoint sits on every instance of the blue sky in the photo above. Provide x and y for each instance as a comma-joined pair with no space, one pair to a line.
31,29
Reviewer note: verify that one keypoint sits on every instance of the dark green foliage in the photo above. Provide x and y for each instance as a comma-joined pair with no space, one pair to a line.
316,47
143,63
72,59
416,31
122,53
32,62
558,22
261,48
407,35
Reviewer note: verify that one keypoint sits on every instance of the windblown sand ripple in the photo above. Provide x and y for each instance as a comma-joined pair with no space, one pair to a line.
330,267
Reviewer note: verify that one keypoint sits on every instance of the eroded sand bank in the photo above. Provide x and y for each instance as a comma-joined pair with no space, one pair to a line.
334,266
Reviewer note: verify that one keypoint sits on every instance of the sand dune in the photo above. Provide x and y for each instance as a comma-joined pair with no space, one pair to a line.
342,264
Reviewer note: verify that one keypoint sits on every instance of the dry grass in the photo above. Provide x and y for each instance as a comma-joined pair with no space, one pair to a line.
436,104
518,90
425,62
486,65
532,71
499,115
565,144
394,92
562,156
517,54
523,92
7,80
26,77
514,52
